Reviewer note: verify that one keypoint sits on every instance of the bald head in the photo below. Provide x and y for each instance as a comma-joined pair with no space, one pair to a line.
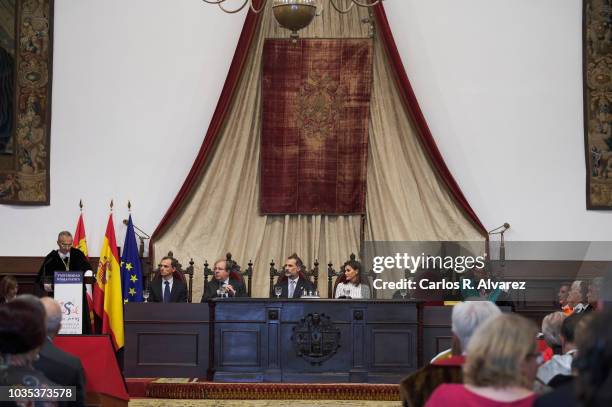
54,315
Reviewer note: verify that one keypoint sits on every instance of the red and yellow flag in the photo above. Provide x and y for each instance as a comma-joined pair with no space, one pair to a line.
108,301
80,242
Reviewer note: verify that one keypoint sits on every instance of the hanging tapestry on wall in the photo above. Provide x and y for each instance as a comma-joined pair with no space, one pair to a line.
26,28
316,111
597,59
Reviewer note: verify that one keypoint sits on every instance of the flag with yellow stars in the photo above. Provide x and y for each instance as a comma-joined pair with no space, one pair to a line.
131,271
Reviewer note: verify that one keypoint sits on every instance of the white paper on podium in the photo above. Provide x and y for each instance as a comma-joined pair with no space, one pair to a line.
69,294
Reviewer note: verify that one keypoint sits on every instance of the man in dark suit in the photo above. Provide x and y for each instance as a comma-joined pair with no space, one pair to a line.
293,285
65,258
59,366
166,288
223,281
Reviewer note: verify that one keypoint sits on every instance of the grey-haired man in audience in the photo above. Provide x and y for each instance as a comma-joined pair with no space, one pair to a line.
561,365
446,367
59,366
466,317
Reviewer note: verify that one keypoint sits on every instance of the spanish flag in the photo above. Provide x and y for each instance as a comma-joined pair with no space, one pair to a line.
108,302
80,242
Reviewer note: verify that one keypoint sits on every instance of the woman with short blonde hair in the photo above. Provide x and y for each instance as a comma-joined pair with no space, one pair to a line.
500,367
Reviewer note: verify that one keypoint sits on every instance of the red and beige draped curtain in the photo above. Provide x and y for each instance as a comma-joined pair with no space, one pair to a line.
410,195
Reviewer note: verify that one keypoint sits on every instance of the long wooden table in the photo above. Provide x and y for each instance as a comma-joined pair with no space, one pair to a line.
270,340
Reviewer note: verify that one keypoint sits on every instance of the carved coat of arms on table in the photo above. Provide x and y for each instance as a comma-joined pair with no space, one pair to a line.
315,338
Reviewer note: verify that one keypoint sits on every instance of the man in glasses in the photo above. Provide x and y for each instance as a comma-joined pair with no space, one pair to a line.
223,284
64,258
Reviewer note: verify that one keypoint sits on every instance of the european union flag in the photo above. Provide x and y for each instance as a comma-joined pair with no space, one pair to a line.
131,271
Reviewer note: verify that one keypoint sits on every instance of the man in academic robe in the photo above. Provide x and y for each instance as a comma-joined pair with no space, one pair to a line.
65,258
223,281
294,284
57,365
165,287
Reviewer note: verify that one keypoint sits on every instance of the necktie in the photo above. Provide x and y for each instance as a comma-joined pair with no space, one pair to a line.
167,291
291,288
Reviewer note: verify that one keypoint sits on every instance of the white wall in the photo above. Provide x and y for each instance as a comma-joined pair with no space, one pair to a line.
500,84
135,84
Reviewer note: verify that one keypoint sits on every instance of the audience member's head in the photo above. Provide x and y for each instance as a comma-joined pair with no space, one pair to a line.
8,289
22,327
551,329
593,291
594,361
352,272
54,315
467,316
568,332
577,294
563,293
221,273
502,353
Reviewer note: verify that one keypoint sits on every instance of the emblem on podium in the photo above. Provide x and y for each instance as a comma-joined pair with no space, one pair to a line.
315,338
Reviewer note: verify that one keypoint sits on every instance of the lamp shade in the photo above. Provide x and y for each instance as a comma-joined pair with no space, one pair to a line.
294,14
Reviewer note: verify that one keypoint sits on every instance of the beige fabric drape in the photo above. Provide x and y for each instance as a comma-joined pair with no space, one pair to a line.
405,199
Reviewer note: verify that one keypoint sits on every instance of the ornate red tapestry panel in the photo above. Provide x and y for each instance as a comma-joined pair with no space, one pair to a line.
316,110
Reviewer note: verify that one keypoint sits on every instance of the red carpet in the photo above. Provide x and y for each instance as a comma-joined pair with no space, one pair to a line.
193,389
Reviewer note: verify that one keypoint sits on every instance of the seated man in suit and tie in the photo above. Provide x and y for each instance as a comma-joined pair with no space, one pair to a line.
223,281
293,285
166,288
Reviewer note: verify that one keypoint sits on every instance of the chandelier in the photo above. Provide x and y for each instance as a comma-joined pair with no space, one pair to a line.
293,14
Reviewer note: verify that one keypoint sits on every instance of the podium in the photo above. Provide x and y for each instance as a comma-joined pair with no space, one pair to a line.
69,292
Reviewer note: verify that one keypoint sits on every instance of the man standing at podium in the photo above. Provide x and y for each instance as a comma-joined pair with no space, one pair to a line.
65,258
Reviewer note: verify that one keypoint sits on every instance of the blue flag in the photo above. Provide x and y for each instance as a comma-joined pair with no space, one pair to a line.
131,271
